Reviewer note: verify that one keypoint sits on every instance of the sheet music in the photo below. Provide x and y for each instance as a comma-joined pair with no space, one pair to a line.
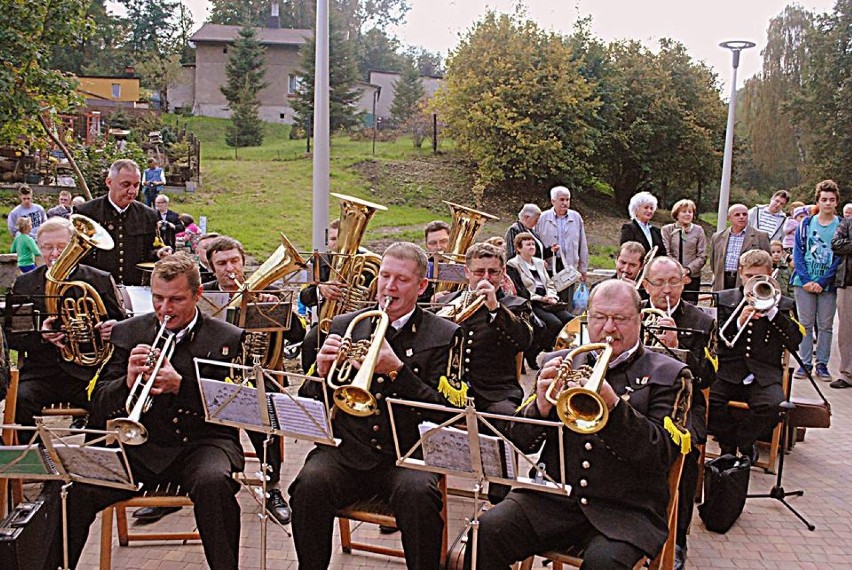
449,448
233,403
212,303
138,299
300,416
90,463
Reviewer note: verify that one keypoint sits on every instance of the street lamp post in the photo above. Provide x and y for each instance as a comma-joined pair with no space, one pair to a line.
322,143
736,47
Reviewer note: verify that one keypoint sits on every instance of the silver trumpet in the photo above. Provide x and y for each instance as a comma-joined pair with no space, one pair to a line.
130,429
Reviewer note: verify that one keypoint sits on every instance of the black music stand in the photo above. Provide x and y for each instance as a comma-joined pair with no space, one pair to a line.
475,456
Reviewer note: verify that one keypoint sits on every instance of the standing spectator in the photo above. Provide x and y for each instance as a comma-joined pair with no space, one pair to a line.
780,266
168,223
686,242
527,219
641,209
63,209
841,245
561,229
847,210
25,246
797,213
813,278
728,245
27,209
153,182
770,218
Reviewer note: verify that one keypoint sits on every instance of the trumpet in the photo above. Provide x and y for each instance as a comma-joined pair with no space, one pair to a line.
353,396
762,292
581,408
130,429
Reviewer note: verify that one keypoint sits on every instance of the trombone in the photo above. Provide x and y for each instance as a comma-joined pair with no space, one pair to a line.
130,429
354,397
762,292
648,257
581,408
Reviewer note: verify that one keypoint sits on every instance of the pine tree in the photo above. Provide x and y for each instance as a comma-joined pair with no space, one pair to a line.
408,90
245,71
343,73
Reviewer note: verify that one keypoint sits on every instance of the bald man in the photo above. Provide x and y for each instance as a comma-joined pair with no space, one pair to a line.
728,245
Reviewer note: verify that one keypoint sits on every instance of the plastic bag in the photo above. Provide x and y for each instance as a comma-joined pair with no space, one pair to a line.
725,489
581,298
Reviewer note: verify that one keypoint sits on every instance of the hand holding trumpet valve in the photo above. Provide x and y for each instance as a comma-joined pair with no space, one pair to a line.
551,370
142,360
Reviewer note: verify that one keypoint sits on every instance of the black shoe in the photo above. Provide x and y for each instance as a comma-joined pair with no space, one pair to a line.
153,514
531,362
384,529
680,557
277,506
751,452
840,383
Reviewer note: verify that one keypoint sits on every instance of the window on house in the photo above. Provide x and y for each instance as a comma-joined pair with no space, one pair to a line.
294,84
116,90
225,49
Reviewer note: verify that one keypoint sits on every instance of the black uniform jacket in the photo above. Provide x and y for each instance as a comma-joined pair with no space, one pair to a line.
491,346
168,232
619,476
309,295
174,421
760,348
423,345
631,231
133,232
43,359
698,344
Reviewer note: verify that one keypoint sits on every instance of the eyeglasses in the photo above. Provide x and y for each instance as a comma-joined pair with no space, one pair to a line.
489,272
617,320
671,283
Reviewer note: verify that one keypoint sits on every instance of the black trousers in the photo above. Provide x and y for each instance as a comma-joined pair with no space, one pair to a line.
325,484
273,454
36,393
686,494
690,291
760,418
507,535
544,337
204,471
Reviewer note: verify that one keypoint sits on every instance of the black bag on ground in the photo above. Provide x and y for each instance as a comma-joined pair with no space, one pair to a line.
725,489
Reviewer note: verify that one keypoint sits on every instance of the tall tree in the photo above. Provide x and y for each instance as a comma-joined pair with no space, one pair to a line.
152,25
514,101
239,12
428,63
377,51
98,49
245,71
407,91
343,73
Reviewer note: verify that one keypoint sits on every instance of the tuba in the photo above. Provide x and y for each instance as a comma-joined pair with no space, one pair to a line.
466,224
352,395
79,315
581,408
347,265
761,292
283,261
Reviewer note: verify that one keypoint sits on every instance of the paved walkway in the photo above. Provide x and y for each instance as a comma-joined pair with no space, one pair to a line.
767,535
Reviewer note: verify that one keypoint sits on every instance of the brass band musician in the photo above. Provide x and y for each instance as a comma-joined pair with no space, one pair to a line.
617,507
414,356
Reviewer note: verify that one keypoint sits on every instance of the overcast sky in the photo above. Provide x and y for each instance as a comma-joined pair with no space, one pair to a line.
699,24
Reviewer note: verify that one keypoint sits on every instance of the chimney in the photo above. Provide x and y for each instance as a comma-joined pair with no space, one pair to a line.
273,21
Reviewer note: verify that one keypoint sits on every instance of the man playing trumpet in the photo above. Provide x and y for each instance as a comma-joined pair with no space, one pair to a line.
181,446
751,370
617,507
413,358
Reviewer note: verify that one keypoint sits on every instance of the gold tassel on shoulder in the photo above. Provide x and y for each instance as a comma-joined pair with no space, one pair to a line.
714,360
454,392
679,436
530,399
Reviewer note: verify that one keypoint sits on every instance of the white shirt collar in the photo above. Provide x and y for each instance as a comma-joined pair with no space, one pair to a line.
624,355
114,205
401,322
179,335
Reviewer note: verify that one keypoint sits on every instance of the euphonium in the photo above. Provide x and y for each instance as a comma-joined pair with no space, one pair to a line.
651,317
761,292
466,224
581,408
347,265
79,316
130,429
462,307
354,396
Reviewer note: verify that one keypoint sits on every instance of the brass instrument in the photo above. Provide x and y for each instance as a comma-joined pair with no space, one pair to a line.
647,259
283,261
352,395
130,429
762,292
581,408
466,225
462,307
651,317
569,333
79,316
347,265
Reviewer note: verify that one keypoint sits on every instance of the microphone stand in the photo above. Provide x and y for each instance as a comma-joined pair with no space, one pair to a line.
777,492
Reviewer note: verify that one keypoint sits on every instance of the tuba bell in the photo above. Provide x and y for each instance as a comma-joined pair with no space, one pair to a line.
581,408
466,225
79,314
355,269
